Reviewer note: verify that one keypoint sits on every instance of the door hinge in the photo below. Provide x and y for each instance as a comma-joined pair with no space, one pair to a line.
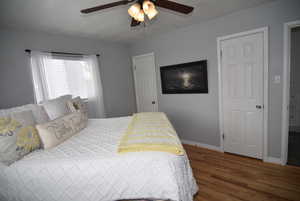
223,136
134,67
221,53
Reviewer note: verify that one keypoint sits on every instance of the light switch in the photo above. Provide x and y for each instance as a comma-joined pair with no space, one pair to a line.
277,79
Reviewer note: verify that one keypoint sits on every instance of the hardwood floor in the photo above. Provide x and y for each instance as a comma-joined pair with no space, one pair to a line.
228,177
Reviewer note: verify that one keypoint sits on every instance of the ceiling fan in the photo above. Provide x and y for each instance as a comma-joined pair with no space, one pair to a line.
141,8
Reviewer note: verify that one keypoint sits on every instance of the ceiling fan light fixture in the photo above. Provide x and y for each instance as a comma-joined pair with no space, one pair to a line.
140,16
148,6
134,10
138,9
152,13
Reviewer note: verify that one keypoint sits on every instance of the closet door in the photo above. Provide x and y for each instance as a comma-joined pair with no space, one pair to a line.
242,65
145,83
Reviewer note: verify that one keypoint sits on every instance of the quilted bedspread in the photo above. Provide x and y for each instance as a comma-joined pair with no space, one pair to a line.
87,167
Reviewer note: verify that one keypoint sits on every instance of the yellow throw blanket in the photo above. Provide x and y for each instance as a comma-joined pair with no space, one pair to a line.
150,131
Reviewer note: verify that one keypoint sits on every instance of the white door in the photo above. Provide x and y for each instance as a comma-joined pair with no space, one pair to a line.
145,83
242,66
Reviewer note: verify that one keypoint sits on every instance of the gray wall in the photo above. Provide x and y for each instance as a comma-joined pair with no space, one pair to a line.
15,75
196,116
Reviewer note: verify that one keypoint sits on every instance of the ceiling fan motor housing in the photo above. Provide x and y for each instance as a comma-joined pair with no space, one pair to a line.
142,1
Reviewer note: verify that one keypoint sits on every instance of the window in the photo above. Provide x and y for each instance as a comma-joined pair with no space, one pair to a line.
67,77
57,75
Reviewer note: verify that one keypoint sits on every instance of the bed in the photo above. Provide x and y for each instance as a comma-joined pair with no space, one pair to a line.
88,167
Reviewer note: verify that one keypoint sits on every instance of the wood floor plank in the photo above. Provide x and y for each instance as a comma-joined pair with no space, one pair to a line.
228,177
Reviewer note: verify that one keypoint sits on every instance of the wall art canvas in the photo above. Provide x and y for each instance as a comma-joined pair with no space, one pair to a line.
188,78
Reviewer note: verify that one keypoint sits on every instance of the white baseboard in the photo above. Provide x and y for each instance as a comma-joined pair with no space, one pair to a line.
215,148
273,160
202,145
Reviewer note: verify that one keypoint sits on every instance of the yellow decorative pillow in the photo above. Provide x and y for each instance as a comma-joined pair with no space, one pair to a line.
18,136
8,126
28,139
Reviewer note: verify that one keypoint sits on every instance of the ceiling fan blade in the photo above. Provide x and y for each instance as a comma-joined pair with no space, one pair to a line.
135,23
105,6
174,6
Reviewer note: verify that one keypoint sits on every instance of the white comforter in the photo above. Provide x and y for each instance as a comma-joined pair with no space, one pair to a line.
87,167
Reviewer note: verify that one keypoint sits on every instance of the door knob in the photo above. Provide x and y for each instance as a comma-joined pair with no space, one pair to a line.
258,107
153,102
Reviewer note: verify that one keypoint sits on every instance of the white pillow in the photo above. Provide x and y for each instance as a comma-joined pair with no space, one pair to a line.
57,107
38,111
57,131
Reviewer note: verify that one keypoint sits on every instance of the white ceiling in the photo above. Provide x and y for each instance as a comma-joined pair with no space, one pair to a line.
64,17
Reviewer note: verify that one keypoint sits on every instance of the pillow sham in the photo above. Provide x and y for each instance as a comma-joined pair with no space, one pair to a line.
57,107
39,113
57,131
18,136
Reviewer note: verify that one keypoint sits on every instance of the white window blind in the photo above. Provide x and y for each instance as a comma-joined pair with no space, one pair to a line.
67,77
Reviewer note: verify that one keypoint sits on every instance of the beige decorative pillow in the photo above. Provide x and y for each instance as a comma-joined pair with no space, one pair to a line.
57,131
18,136
77,104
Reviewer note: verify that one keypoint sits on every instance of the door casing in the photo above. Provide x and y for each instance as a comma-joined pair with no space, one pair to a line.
286,89
265,31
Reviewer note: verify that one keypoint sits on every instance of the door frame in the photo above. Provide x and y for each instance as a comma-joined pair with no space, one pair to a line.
286,89
134,77
265,31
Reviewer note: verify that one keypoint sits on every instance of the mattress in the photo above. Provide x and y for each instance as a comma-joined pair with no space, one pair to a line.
87,167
